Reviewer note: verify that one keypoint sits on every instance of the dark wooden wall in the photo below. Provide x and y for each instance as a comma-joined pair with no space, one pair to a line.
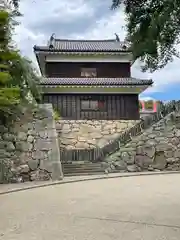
125,106
74,69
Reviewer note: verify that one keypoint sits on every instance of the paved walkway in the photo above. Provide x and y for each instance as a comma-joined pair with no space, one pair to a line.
133,208
8,188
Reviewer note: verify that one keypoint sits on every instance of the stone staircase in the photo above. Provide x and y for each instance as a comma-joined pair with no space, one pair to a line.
83,168
155,148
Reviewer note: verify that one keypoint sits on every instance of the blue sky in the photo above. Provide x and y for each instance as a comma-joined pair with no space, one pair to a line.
171,93
87,19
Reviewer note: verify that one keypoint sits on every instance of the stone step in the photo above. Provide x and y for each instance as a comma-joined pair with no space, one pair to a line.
82,166
83,174
83,171
86,168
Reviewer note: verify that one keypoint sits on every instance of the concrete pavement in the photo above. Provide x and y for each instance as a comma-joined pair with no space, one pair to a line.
133,208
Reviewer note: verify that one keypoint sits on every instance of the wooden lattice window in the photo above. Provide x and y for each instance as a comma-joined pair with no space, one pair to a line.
88,72
92,105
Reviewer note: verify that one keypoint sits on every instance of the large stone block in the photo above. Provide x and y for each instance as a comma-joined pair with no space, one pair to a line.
82,145
159,161
22,136
9,137
43,144
169,153
132,168
32,132
175,141
3,129
127,158
33,164
27,126
143,161
172,160
46,165
113,157
39,155
10,147
23,168
177,133
4,153
151,142
164,147
148,150
177,153
30,139
120,165
23,146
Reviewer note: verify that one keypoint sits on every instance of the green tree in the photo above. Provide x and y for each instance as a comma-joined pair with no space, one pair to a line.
26,77
9,94
18,77
153,30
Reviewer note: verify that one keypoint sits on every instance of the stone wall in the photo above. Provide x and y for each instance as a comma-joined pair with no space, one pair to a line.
158,148
88,134
29,151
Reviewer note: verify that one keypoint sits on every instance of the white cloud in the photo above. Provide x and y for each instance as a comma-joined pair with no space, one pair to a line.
43,12
26,39
63,11
165,77
105,28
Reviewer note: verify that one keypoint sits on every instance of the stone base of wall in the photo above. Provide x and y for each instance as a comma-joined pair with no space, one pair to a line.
29,150
156,149
88,134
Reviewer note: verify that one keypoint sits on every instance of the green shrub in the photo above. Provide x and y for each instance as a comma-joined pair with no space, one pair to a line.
56,115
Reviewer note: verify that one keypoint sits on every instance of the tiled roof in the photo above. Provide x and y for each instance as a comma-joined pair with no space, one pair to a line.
95,81
84,46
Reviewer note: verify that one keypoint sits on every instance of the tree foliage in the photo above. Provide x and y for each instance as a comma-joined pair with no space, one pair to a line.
26,77
18,77
153,30
9,94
